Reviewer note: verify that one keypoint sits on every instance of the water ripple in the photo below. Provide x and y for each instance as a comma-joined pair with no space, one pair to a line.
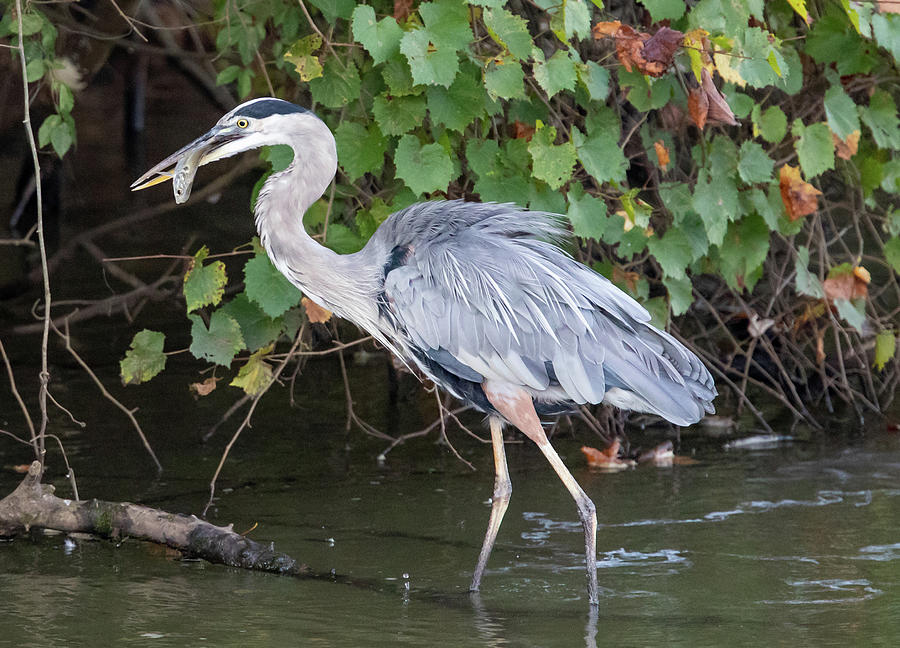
828,591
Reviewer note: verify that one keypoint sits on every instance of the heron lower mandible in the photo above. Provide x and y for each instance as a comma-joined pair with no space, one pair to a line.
476,295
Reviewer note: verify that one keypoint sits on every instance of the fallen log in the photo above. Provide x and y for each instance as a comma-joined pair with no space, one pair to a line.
32,505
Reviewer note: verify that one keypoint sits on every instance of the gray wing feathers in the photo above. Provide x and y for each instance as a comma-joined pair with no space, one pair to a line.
489,296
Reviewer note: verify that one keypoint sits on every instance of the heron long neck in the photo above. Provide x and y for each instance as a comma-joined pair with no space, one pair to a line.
334,281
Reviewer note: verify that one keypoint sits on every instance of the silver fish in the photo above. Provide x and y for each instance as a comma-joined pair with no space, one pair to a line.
183,175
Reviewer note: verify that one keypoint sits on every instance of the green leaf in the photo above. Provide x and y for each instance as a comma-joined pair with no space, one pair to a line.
886,29
228,75
681,294
34,70
504,78
338,85
807,283
432,50
587,214
343,240
830,40
220,342
61,137
673,252
571,19
381,39
398,115
841,112
552,163
204,285
881,118
755,165
266,286
664,9
595,78
716,200
555,74
257,328
892,253
743,252
255,375
598,148
503,173
885,348
300,55
31,23
360,149
244,82
398,78
509,31
47,126
755,52
815,148
459,105
144,359
424,168
66,98
333,9
853,312
772,123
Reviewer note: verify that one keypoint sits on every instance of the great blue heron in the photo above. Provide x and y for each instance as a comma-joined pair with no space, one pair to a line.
476,295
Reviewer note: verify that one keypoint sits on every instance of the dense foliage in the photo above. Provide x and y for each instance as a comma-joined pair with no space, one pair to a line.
735,160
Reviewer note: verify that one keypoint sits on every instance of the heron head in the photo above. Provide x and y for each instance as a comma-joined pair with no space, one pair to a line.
256,123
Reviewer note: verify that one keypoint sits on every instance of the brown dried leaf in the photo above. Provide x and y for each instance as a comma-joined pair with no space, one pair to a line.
606,459
820,347
629,44
661,47
606,29
719,110
402,9
524,131
698,107
848,286
847,148
888,6
662,154
204,388
626,277
21,468
315,313
799,197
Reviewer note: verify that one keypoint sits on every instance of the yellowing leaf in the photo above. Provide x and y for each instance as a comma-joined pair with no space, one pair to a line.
696,44
885,348
799,197
256,375
800,7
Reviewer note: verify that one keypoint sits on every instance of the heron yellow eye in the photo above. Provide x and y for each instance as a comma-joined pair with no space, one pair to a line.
242,123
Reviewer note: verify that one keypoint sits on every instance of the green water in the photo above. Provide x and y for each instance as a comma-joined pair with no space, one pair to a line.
795,545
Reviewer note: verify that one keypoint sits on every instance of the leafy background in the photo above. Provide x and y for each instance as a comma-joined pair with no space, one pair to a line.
740,181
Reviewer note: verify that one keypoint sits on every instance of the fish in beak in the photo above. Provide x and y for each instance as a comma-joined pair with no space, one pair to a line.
181,166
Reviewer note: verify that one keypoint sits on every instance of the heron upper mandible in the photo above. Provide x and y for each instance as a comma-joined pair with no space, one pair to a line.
476,295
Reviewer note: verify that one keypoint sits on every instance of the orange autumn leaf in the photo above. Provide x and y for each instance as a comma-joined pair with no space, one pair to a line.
848,286
524,131
846,148
315,313
662,154
799,197
604,29
626,277
698,107
204,388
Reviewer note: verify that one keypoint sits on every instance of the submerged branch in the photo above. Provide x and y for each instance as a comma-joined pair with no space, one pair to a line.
33,505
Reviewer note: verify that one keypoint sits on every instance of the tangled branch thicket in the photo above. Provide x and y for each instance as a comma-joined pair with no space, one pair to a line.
732,165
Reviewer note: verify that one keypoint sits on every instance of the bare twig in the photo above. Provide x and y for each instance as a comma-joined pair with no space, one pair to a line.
18,397
245,424
45,335
129,413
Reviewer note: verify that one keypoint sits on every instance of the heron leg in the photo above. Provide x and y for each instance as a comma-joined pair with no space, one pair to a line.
499,501
517,407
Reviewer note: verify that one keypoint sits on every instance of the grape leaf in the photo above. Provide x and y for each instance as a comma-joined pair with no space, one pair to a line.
204,285
807,283
815,148
587,214
672,251
771,123
716,200
338,85
257,328
504,78
681,294
892,253
755,165
220,342
841,112
360,149
266,286
664,9
381,39
144,359
595,78
255,375
885,348
509,30
459,105
424,168
881,118
556,73
598,148
398,115
552,163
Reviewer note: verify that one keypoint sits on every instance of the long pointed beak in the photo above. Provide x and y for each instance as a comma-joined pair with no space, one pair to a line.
182,165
